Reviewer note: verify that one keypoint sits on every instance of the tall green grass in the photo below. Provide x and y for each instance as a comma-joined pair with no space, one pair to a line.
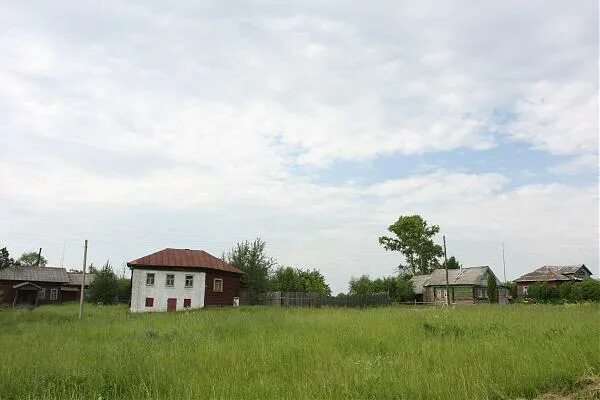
477,352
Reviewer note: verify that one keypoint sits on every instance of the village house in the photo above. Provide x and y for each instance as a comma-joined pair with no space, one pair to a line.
34,286
466,286
553,276
176,279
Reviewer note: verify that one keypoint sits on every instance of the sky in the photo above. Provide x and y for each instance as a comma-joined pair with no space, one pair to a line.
312,125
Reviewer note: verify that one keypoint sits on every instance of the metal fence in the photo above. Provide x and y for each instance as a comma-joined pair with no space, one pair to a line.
303,299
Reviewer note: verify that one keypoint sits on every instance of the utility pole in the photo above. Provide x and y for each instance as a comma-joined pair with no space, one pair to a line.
503,262
37,264
446,268
83,280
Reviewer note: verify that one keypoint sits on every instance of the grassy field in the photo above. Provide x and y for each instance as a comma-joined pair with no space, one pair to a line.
477,352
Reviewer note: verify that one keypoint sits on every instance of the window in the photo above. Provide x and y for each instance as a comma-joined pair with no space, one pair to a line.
150,279
524,289
481,293
218,285
149,301
189,280
187,303
42,294
53,294
170,280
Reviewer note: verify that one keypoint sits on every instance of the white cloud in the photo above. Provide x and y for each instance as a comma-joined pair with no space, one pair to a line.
224,108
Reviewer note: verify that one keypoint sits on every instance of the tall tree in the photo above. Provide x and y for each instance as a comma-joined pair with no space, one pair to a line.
251,258
453,263
492,288
104,288
6,261
414,239
30,259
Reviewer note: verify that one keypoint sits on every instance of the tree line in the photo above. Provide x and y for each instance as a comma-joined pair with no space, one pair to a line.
27,259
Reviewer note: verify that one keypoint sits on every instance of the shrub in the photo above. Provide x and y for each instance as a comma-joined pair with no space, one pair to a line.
542,292
104,288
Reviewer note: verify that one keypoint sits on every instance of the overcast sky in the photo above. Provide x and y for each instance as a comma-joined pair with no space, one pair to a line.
313,126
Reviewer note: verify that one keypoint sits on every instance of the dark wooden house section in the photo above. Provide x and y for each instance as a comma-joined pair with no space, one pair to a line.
32,286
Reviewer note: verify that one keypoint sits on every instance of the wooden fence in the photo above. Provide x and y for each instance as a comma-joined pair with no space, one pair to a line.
303,299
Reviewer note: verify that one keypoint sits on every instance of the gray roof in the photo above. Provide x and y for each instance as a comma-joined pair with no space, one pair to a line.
466,276
75,278
418,281
35,274
550,273
568,269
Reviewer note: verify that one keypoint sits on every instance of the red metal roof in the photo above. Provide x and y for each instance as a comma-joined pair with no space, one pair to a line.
184,258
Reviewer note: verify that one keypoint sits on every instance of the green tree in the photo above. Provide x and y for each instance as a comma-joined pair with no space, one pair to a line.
453,263
492,288
6,261
30,259
414,239
252,259
105,286
361,286
288,279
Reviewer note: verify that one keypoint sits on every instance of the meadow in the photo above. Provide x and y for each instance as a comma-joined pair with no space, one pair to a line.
470,352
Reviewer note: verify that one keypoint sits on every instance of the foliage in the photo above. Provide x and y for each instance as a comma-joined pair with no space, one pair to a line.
252,259
298,353
360,286
586,290
492,288
288,279
6,261
398,288
512,289
30,259
104,288
123,290
414,239
453,263
543,292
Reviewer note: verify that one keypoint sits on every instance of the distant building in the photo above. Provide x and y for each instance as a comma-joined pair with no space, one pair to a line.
175,279
34,286
553,275
466,286
71,290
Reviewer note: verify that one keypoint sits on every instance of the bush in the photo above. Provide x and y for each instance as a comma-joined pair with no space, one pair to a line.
542,292
104,288
586,290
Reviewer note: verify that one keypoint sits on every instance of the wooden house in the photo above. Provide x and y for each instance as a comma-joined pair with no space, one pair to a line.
466,286
553,275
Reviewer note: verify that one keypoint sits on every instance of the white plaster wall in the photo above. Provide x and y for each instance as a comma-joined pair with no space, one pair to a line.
160,292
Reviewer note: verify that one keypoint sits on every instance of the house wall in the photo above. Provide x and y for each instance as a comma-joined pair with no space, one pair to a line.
8,293
231,289
160,292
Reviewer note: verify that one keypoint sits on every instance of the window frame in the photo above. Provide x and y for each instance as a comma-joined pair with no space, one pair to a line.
42,294
525,287
167,280
54,294
189,278
187,303
220,280
151,302
150,275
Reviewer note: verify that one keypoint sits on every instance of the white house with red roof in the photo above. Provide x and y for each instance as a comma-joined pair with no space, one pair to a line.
178,279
